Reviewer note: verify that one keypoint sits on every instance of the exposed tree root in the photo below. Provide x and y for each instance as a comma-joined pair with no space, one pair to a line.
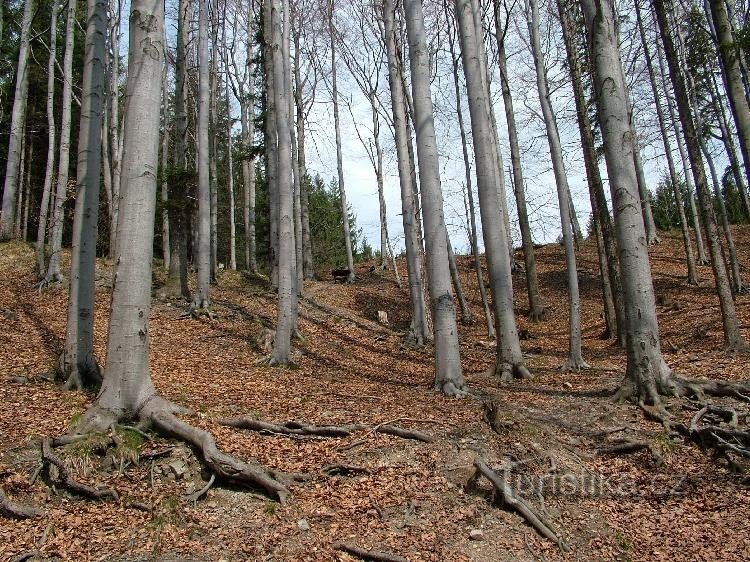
509,497
574,365
372,555
198,494
85,373
537,314
64,479
15,510
343,470
623,448
506,371
49,280
449,388
304,429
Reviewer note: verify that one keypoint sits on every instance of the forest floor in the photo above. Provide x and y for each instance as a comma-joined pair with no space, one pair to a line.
671,501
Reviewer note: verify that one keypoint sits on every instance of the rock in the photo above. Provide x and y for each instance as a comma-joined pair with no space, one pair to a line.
303,525
476,535
178,468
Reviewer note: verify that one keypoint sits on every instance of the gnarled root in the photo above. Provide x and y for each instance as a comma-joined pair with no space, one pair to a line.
364,554
449,388
226,467
507,371
81,374
304,429
574,365
14,510
65,480
511,499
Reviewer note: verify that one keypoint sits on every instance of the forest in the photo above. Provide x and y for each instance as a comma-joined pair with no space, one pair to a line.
385,280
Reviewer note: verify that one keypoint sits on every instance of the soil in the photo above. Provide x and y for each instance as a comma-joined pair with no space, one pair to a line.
669,501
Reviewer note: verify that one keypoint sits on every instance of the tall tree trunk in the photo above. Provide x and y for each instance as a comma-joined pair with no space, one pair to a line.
692,277
308,270
49,170
127,383
178,207
339,157
575,360
77,362
115,138
732,333
63,164
165,245
614,312
271,141
536,305
448,375
247,116
418,328
489,320
287,266
200,298
17,120
702,259
213,134
652,235
647,374
27,190
731,72
466,317
230,188
509,361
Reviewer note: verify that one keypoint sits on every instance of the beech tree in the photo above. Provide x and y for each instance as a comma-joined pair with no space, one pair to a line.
448,373
13,170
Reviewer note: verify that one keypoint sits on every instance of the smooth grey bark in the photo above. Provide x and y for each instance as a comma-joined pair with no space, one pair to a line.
339,157
127,382
692,277
536,305
77,363
115,138
49,171
732,75
165,245
575,360
647,374
509,361
213,134
702,259
732,333
448,375
418,331
20,188
271,141
17,121
308,270
614,313
471,213
287,254
63,163
27,190
247,115
652,234
179,209
230,188
201,299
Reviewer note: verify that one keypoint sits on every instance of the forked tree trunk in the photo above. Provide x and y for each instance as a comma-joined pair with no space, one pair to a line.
536,305
63,164
418,328
575,360
614,312
339,157
732,333
509,362
200,297
77,363
49,171
647,373
692,277
448,374
13,170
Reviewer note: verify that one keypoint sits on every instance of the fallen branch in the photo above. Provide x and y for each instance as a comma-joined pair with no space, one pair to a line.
373,555
511,499
65,480
15,510
304,429
343,470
